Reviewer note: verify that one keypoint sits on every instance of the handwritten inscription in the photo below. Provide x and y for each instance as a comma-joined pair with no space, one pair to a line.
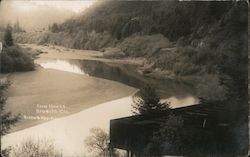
50,109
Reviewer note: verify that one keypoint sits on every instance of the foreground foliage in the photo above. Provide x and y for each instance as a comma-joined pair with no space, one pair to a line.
7,119
35,148
97,144
14,59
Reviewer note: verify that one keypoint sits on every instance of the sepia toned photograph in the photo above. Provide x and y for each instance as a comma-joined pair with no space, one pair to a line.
117,78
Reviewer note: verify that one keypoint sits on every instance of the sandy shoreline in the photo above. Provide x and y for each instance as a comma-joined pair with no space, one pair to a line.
31,90
69,132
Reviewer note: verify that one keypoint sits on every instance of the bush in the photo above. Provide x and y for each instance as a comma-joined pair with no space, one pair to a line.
147,45
113,53
14,59
35,148
98,144
7,64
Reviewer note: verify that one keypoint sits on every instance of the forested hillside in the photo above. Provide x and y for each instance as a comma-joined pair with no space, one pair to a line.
172,19
187,40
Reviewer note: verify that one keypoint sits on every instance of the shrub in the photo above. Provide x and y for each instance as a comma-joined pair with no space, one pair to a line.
112,53
14,59
147,45
97,144
35,148
7,64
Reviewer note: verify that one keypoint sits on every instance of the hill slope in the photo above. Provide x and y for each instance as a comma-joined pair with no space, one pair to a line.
187,40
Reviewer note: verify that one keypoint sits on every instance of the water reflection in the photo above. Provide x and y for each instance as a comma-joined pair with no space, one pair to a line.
124,73
59,64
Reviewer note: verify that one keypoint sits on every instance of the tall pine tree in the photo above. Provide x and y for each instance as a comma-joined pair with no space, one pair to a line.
148,102
8,40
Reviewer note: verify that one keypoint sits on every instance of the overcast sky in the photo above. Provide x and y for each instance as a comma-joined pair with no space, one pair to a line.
73,5
38,14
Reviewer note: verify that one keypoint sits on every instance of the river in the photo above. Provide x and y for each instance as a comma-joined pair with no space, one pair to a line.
67,96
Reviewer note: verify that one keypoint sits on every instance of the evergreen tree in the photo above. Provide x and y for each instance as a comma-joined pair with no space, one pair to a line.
54,28
147,101
8,36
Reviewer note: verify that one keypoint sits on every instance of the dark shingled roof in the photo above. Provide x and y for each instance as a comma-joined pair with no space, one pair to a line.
133,133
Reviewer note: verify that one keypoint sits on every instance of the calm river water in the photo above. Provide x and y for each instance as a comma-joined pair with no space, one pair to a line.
178,93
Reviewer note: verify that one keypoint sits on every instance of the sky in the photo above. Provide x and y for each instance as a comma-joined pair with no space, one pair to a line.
73,5
38,14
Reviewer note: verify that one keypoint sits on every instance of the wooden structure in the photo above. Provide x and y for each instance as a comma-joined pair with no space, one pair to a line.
133,133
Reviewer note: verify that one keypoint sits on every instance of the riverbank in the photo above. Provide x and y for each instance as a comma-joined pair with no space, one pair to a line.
74,80
52,51
68,133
